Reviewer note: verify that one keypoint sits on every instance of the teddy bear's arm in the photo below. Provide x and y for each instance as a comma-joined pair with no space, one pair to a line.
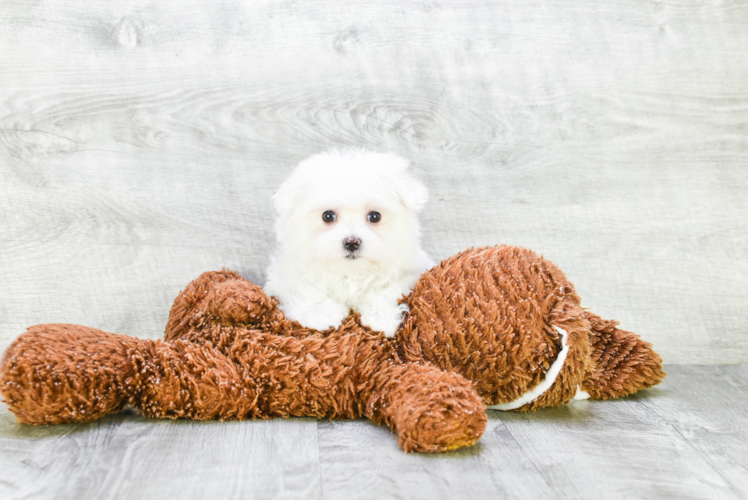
69,373
430,409
223,298
57,373
352,373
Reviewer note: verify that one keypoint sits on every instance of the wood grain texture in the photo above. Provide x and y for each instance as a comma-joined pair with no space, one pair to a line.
684,439
701,410
127,456
618,450
361,461
140,143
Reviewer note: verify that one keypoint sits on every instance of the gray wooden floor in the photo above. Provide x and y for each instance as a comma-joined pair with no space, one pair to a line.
687,438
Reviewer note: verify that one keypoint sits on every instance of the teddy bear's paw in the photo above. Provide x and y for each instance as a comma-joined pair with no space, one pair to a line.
55,374
240,301
624,363
451,428
437,411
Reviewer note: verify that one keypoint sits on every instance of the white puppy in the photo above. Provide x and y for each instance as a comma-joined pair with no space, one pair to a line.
348,238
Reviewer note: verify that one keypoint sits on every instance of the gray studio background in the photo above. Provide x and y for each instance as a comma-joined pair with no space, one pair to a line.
140,144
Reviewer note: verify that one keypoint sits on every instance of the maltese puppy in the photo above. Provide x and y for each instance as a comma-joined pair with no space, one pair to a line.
348,238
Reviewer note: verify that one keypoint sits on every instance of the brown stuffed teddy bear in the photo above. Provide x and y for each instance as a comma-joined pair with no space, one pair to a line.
498,326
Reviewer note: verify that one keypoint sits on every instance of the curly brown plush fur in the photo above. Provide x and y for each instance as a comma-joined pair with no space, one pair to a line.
482,327
489,314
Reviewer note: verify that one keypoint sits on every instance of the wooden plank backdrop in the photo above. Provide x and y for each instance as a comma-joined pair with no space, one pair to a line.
141,141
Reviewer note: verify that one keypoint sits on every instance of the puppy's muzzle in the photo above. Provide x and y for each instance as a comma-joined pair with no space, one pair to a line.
351,244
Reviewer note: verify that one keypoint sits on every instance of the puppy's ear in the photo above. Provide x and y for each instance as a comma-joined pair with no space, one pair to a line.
291,192
285,198
411,191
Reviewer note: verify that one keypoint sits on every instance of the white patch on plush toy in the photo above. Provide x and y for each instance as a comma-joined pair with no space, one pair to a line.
550,377
581,394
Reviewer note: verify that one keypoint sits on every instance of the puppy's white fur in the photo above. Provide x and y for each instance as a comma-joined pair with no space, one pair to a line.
314,277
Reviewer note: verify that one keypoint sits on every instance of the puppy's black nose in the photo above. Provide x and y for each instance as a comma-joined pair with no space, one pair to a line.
351,243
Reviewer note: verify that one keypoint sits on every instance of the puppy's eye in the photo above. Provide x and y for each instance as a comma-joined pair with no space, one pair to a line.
374,217
329,217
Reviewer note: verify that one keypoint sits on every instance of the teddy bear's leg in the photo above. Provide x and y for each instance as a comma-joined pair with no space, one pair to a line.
348,374
55,374
183,379
431,410
624,363
225,298
353,373
68,373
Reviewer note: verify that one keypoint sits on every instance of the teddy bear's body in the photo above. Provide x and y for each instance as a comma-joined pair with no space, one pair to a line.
493,315
485,325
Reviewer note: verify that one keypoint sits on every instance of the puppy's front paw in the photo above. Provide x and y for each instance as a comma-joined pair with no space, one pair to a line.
384,319
319,316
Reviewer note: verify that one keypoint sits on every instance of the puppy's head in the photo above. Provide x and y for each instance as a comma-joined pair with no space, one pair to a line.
350,208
